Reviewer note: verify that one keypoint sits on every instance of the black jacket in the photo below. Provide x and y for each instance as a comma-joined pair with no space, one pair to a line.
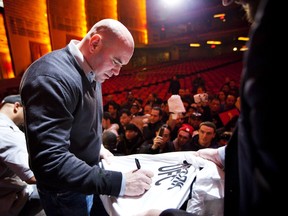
256,160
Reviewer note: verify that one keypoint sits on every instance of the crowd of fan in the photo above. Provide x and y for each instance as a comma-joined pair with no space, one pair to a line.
206,121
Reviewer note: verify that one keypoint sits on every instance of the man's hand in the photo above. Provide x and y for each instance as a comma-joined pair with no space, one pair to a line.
157,142
137,182
212,155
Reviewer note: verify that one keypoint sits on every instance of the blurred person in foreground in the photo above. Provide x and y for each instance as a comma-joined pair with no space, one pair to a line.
17,181
255,165
62,99
254,168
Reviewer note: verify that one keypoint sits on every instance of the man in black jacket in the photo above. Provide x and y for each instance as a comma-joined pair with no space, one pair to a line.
254,166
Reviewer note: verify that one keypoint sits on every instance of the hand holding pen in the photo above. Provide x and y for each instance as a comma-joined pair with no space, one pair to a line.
138,165
138,181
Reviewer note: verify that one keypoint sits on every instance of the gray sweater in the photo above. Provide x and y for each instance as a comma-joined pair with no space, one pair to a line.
63,117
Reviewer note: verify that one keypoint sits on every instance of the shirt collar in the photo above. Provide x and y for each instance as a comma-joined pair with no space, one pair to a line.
8,122
81,60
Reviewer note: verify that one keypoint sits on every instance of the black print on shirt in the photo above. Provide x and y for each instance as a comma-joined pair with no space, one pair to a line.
177,174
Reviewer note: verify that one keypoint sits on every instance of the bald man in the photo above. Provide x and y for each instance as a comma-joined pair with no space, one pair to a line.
62,99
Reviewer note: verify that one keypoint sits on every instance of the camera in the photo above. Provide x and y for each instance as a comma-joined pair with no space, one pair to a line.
226,135
161,132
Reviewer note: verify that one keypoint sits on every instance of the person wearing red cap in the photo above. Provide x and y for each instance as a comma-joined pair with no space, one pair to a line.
182,142
186,127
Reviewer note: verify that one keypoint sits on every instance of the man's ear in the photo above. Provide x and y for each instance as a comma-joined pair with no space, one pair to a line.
16,107
94,42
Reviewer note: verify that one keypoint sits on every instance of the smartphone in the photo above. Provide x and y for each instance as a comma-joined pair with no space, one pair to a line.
161,132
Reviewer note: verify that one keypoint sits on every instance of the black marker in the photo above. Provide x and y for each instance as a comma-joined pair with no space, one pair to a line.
137,163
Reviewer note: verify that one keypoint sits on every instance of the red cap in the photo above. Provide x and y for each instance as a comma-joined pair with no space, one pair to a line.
188,128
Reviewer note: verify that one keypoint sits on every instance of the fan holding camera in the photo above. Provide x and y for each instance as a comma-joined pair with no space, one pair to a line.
159,142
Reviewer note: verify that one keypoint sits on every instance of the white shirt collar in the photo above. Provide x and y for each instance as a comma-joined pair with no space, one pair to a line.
81,60
6,121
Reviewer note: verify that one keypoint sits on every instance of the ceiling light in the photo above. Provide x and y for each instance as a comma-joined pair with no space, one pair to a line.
214,42
243,38
194,45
